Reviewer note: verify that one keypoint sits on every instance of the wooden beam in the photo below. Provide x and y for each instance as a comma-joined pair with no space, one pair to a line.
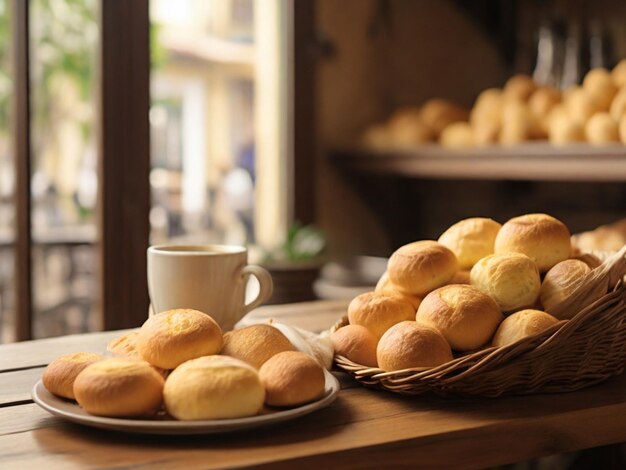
303,154
22,151
124,161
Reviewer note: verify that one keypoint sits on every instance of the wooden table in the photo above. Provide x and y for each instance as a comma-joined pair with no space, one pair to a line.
363,428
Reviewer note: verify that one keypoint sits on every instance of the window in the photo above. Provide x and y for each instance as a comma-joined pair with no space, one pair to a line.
81,197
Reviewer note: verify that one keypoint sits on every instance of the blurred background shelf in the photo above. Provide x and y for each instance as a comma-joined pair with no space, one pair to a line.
530,162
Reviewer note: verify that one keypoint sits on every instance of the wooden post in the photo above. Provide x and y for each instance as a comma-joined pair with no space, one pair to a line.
303,151
21,147
124,161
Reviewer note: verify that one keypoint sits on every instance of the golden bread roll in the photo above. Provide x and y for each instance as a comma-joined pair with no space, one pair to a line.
292,378
457,135
464,315
622,129
541,102
519,87
377,137
410,344
170,338
438,114
471,239
541,237
59,376
601,129
521,325
518,123
589,259
255,344
511,279
561,281
119,387
604,238
564,130
419,267
125,345
379,311
406,128
600,86
581,106
486,116
618,74
486,131
618,106
461,277
356,343
385,286
213,387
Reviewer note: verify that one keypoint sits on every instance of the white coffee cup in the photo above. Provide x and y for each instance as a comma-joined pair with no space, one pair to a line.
208,278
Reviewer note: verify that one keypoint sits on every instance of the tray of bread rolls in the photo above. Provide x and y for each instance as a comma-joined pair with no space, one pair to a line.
489,310
178,374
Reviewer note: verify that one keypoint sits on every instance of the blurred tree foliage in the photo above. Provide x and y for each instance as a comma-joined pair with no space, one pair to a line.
5,67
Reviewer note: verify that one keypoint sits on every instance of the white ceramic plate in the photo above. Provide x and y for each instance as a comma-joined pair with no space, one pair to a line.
72,412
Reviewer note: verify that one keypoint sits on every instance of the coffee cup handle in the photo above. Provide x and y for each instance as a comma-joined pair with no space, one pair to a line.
266,285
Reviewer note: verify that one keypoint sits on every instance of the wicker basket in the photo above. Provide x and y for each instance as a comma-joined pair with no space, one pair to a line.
570,355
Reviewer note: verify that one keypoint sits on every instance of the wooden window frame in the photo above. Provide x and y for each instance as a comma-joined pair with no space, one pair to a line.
124,153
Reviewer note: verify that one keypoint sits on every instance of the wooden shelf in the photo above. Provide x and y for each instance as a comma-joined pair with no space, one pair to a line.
538,161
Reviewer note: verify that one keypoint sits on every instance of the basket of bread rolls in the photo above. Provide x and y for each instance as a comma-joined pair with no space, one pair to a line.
521,111
180,366
489,310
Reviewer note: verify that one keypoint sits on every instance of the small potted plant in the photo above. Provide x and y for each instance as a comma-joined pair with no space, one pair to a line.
295,264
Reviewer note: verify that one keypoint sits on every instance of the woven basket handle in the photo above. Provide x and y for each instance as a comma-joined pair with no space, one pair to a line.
594,285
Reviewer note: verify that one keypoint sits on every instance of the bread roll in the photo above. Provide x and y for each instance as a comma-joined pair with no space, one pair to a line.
563,129
512,279
601,129
589,259
461,277
541,102
59,376
618,106
486,116
356,343
213,387
378,312
438,114
518,123
561,281
618,74
622,129
519,87
119,387
471,239
521,325
125,345
542,238
600,86
410,344
603,238
581,106
292,378
457,135
419,267
385,286
175,336
464,315
406,128
255,344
